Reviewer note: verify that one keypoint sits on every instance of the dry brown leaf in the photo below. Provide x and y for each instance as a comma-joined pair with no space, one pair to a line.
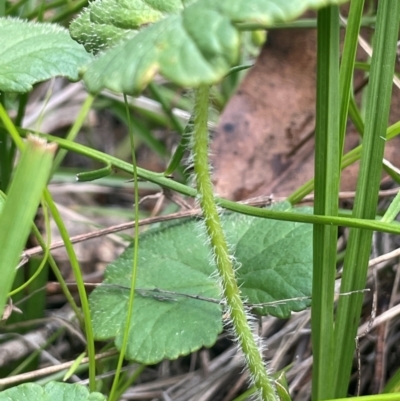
264,142
266,119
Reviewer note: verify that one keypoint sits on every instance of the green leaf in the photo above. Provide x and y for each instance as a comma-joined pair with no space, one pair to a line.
196,46
276,260
104,23
51,391
164,326
174,261
32,52
96,36
132,14
167,47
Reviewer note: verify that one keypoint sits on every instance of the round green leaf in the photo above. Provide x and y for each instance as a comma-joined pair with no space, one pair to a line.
275,260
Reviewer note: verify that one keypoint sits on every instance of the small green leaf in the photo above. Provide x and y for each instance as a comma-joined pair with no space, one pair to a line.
103,23
51,391
174,261
33,52
197,45
95,36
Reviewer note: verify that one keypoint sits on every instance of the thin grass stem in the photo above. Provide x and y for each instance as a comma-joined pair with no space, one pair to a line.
327,178
359,244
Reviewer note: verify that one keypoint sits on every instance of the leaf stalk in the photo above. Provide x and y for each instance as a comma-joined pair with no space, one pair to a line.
223,259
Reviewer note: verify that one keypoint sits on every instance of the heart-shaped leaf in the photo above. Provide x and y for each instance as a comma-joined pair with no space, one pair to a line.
31,52
196,45
176,309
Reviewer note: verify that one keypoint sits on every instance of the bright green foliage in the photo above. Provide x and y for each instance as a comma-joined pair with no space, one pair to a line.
181,49
51,391
31,52
163,326
197,45
176,259
104,23
96,36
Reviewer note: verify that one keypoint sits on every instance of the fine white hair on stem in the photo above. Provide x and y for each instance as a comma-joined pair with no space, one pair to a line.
241,323
237,338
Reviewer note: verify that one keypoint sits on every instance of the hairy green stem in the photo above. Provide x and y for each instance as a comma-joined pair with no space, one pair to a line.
223,260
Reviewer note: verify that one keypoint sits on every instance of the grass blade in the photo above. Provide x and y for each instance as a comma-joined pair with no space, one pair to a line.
359,245
327,178
20,207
